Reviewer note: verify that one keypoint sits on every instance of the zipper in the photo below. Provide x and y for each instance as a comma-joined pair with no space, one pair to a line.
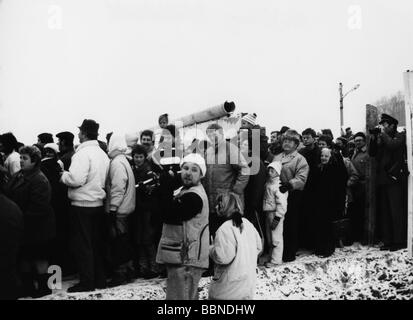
200,238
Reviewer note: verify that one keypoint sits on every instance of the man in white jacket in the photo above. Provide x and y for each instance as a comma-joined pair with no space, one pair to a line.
86,181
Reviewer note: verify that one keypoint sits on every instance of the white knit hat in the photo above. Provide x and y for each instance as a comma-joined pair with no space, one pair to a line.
250,118
276,165
52,146
197,159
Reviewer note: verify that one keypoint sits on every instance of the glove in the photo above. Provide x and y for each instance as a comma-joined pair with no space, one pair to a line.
275,222
285,187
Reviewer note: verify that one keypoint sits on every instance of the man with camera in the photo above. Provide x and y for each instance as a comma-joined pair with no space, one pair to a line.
388,146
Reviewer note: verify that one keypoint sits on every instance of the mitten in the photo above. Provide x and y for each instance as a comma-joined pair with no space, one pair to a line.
285,187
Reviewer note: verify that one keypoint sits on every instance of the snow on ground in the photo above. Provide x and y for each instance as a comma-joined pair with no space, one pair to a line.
351,273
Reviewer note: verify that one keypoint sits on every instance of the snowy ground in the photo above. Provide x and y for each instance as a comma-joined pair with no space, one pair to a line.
351,273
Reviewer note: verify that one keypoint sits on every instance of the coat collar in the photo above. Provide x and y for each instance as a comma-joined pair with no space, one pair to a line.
288,157
89,143
23,176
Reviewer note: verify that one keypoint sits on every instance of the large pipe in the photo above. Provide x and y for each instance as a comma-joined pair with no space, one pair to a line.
212,113
216,112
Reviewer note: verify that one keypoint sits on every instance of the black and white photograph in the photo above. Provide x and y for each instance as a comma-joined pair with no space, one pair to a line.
214,152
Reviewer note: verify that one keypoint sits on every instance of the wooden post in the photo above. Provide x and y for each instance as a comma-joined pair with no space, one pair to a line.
372,120
408,85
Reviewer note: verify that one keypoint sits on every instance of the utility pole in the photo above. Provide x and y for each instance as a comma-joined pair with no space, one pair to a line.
342,96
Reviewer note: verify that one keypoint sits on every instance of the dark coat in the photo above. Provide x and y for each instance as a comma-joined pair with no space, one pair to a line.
32,193
330,197
11,233
144,197
254,194
59,199
312,156
389,151
66,158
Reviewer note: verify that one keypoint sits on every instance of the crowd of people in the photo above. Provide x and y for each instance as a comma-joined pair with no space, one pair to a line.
111,213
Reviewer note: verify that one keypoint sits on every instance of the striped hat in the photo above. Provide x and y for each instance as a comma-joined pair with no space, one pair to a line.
250,118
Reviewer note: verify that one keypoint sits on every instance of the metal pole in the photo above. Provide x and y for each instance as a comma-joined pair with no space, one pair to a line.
341,108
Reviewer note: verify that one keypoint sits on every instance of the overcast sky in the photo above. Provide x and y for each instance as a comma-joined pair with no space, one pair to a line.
124,62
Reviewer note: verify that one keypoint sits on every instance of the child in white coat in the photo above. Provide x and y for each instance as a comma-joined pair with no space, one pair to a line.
275,207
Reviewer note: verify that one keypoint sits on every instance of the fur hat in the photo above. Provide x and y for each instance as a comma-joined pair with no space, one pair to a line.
197,159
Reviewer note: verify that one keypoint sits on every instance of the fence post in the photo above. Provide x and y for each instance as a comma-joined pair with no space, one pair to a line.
372,120
408,85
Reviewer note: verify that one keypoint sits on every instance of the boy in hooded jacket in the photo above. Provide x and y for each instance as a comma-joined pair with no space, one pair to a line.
275,207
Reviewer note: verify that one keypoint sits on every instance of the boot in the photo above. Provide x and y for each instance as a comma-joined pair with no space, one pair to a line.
43,288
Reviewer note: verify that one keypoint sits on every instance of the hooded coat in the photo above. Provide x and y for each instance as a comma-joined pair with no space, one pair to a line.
121,194
235,255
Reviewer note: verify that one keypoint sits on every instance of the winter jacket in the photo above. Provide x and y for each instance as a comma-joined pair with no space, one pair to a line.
87,175
360,160
295,169
190,237
51,170
274,200
121,194
235,255
32,193
224,175
144,200
66,158
389,152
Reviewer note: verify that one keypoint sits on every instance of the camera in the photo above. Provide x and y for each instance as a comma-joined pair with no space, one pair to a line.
150,184
375,131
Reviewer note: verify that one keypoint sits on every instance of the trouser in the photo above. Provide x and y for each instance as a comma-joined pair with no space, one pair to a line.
306,225
324,231
291,225
9,249
182,282
88,241
143,239
275,239
357,214
392,215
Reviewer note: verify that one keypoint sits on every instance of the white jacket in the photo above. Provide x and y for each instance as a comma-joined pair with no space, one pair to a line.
235,255
274,200
121,181
87,175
